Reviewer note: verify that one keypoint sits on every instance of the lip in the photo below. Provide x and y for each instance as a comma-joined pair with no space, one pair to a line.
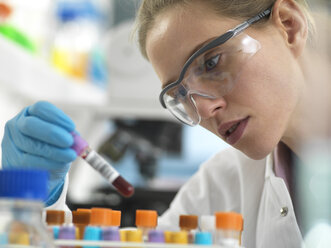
236,135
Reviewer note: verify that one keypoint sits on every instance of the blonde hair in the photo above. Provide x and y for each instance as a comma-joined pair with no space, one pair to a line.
240,9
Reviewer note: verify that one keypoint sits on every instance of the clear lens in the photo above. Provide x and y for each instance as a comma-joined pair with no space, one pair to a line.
180,104
212,74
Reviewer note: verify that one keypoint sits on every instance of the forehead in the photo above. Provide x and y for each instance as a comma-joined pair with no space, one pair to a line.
178,32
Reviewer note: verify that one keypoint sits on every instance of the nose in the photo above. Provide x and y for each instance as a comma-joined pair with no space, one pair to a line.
208,107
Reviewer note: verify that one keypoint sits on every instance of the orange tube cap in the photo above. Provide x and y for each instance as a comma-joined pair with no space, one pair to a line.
146,218
229,221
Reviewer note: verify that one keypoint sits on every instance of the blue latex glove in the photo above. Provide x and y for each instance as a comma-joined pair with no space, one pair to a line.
39,137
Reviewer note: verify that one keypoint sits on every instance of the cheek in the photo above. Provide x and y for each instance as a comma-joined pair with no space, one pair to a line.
268,91
269,83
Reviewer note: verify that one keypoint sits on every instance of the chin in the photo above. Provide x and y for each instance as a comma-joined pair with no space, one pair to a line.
256,153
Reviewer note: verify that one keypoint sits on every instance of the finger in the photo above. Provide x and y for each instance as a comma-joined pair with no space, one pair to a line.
37,162
35,147
50,113
39,148
44,131
20,159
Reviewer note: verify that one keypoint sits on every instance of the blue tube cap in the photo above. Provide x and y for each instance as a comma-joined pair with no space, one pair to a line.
24,184
92,233
203,238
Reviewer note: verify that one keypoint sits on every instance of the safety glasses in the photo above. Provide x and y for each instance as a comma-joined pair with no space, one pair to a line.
211,72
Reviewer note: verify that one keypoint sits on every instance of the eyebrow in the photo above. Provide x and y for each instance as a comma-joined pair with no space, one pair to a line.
196,48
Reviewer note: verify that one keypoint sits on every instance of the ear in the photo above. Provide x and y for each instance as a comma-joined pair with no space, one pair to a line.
292,24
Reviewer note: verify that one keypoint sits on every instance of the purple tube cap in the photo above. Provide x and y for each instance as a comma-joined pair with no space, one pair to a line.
67,232
156,236
111,233
79,144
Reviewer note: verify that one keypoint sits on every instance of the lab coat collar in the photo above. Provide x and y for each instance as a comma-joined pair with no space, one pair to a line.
269,172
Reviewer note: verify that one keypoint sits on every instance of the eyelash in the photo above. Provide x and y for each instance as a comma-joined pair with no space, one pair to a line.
215,59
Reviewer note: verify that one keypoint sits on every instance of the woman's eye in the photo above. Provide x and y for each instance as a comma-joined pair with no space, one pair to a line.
212,62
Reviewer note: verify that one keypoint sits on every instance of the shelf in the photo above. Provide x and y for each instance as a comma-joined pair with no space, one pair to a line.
85,243
32,78
29,78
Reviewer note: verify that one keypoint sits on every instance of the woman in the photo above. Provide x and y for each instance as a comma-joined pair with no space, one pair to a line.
249,86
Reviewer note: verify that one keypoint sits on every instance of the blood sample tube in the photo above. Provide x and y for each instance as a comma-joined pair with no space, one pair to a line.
81,219
189,223
55,219
146,220
83,150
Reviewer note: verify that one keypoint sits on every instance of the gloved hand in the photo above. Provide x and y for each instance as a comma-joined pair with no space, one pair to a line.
39,137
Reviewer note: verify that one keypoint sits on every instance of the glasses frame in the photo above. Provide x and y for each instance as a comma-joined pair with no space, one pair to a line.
214,43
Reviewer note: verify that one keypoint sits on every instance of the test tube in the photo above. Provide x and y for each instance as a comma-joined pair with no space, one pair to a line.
83,150
81,219
55,219
111,232
189,223
146,220
229,226
67,232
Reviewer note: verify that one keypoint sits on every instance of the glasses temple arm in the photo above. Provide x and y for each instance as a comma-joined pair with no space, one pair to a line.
237,30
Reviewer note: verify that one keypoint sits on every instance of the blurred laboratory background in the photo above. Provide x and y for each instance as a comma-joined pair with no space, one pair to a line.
79,55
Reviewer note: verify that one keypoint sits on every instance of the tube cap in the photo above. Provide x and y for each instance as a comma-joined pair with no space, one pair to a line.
100,217
229,221
134,235
167,236
188,222
115,219
81,217
67,232
146,218
24,184
179,237
85,210
92,233
207,223
55,217
111,234
156,236
79,143
203,238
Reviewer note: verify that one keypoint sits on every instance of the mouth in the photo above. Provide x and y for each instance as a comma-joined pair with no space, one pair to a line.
232,131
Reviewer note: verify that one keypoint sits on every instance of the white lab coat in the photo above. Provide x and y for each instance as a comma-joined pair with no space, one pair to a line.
230,181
